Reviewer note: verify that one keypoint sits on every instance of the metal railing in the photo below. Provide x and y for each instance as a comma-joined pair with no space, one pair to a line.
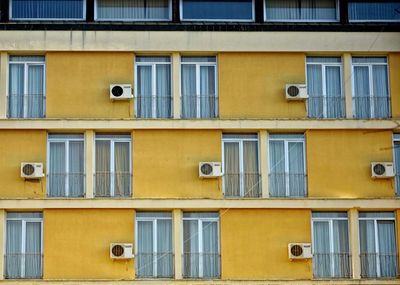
376,107
66,184
200,106
23,266
201,265
375,265
287,184
154,265
113,184
332,265
26,105
326,107
242,185
153,106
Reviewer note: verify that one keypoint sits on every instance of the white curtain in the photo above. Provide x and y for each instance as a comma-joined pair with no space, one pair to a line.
297,181
207,92
163,91
362,93
191,252
341,257
314,87
251,178
374,10
144,100
13,249
45,9
277,179
322,258
122,176
76,169
381,91
164,248
57,171
397,161
144,258
300,10
387,248
367,249
16,91
103,168
231,169
33,264
189,98
334,98
210,250
34,99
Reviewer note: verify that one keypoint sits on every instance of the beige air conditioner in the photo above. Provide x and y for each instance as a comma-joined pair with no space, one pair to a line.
210,169
296,92
382,170
121,251
121,92
32,170
299,250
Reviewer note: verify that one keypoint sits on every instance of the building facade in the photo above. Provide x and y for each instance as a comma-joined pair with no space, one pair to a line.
210,82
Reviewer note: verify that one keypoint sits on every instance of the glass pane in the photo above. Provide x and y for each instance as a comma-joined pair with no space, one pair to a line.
362,92
33,249
144,256
314,88
199,59
144,91
210,253
122,175
231,169
34,97
251,177
297,180
207,92
374,10
397,166
57,171
163,90
13,249
76,181
334,99
324,59
217,10
44,9
387,248
381,91
367,249
277,179
341,256
16,91
191,248
189,98
322,257
164,248
103,168
153,59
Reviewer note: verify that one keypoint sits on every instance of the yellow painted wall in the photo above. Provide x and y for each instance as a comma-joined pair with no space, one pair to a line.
394,75
252,85
254,243
16,147
77,243
166,163
77,84
339,163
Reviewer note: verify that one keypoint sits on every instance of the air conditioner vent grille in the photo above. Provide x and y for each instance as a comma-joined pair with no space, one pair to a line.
379,169
296,250
206,168
293,91
117,91
28,169
117,250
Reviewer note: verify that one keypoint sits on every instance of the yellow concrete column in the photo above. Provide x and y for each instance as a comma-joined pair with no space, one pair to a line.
2,241
89,163
347,85
178,236
264,163
176,86
354,243
3,84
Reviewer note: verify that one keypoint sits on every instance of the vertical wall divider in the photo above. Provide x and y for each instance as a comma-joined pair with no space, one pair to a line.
354,243
347,85
176,86
3,84
89,163
263,139
178,241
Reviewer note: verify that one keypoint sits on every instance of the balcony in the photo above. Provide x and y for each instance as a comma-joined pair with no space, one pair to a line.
371,107
198,265
23,266
113,184
154,265
153,106
66,185
246,185
331,107
376,265
288,184
26,105
332,265
199,106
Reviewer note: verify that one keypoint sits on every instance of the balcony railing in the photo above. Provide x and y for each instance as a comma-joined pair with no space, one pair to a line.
199,106
375,265
287,184
154,265
201,265
26,105
113,184
377,107
153,106
23,266
332,265
326,107
242,185
66,184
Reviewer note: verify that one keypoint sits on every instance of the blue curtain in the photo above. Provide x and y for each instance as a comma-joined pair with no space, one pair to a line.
374,10
47,9
302,10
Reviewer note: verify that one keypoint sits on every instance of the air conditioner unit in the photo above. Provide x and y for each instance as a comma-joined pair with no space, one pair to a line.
299,250
210,169
382,170
120,91
32,170
121,251
296,92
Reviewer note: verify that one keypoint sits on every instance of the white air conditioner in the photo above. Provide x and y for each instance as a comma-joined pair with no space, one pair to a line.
121,251
210,169
382,170
120,91
296,92
31,170
299,250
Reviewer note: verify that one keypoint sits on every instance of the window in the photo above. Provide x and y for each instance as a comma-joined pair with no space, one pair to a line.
66,173
379,11
301,10
287,166
47,10
331,256
133,10
199,87
154,255
370,88
26,95
396,149
23,259
201,253
153,89
324,84
217,10
378,244
240,162
113,166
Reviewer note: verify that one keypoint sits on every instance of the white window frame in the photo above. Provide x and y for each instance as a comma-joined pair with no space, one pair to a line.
286,141
153,65
330,221
376,237
200,222
96,18
23,240
370,20
303,21
216,20
324,65
240,140
114,139
26,64
66,142
198,95
371,84
154,221
49,19
396,139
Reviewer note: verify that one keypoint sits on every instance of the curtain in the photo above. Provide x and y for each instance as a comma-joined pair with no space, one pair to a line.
300,10
397,166
334,99
133,9
103,168
76,169
34,99
277,181
189,98
362,102
374,10
387,248
217,10
296,169
16,91
164,248
210,249
321,260
33,258
191,248
314,86
13,249
144,258
163,90
57,171
144,102
44,9
251,175
207,92
231,169
367,249
341,259
381,91
122,176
